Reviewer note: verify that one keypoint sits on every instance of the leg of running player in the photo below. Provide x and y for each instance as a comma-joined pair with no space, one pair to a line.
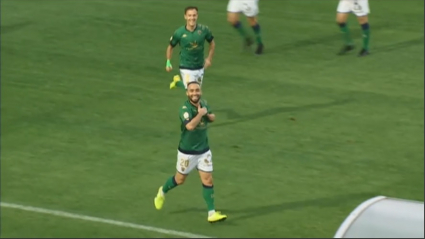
233,12
344,8
172,182
185,164
364,23
341,19
208,194
177,81
208,191
205,168
186,77
253,22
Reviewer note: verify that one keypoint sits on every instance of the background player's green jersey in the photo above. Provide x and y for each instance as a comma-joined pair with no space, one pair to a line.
191,45
193,141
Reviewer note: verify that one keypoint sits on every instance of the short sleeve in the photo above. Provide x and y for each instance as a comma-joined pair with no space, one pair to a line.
185,115
209,109
175,39
209,36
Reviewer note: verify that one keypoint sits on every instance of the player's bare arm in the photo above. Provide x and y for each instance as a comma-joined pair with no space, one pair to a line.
197,119
169,54
208,60
174,41
211,117
191,125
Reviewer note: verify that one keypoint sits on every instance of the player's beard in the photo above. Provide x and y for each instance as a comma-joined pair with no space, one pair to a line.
195,99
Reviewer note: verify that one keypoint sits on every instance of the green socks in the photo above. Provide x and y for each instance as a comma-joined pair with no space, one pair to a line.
366,36
242,32
257,31
169,184
347,38
240,29
208,193
345,34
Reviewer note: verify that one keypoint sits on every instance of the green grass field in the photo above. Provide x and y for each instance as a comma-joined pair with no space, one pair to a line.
303,136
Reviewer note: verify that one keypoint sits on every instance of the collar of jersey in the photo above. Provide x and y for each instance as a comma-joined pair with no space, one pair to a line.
185,27
194,107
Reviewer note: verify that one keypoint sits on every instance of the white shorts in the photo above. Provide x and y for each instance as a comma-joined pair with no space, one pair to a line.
192,75
248,7
358,7
186,162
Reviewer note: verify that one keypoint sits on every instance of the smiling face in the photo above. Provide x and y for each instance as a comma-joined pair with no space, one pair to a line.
191,16
194,92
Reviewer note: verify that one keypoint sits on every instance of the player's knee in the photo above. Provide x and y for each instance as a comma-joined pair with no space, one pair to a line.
180,181
232,18
341,18
207,179
180,178
207,182
252,21
363,20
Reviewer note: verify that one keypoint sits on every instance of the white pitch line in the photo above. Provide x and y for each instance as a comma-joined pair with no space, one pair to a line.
100,220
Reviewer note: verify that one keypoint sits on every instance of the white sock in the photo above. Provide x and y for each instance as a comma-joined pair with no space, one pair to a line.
210,213
161,193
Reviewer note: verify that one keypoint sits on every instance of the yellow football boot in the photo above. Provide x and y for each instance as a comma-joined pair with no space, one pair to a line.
176,79
159,199
217,217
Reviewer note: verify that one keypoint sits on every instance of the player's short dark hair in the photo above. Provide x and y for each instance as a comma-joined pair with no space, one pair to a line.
192,82
190,8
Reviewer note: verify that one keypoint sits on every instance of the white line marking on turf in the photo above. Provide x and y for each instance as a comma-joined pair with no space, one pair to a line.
100,220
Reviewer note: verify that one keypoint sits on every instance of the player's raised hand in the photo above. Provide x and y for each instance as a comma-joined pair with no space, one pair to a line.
168,66
202,111
207,63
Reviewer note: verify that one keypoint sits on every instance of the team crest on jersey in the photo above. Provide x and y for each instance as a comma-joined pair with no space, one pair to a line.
199,32
186,115
184,35
199,79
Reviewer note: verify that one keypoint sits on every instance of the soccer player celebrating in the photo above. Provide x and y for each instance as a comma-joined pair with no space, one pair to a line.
250,9
193,150
361,9
191,38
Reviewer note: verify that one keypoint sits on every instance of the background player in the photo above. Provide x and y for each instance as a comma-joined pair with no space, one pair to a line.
361,9
250,9
191,38
194,151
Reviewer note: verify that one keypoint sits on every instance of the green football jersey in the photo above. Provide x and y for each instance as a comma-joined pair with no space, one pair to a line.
193,141
191,45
